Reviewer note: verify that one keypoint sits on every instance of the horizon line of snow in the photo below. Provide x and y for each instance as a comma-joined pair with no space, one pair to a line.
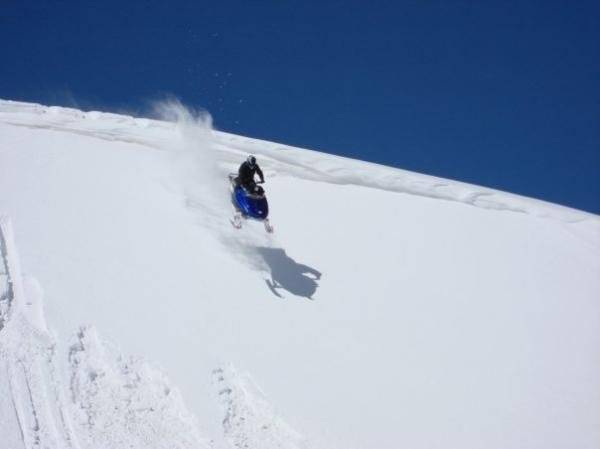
285,159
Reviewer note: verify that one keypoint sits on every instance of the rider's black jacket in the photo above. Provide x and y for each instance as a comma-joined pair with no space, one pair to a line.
246,173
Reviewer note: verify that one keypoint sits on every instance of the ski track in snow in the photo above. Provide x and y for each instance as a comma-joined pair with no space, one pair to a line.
282,159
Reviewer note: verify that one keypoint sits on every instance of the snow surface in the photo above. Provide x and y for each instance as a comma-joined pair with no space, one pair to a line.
389,309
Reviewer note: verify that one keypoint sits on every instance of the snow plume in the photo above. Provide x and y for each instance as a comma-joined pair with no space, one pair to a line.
194,158
204,182
205,189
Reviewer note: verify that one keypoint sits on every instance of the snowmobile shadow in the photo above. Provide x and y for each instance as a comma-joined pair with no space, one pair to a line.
289,275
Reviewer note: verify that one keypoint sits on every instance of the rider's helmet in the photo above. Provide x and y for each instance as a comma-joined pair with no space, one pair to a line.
251,161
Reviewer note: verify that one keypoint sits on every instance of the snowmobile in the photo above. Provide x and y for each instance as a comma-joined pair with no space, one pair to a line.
248,205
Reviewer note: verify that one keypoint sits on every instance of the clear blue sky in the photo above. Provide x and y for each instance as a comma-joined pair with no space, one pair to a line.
500,93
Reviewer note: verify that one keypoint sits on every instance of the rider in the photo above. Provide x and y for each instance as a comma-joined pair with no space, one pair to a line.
246,175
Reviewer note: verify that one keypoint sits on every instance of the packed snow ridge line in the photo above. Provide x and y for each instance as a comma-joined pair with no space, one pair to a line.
249,420
125,402
285,160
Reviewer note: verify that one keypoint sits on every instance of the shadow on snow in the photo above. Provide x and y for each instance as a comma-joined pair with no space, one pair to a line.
287,274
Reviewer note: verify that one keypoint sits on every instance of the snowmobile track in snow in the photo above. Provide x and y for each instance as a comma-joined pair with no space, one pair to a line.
28,375
6,292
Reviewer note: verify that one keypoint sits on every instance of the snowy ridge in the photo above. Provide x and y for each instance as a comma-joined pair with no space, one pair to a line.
124,402
285,159
114,402
109,401
249,420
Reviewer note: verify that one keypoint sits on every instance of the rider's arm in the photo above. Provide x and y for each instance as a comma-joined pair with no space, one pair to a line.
260,173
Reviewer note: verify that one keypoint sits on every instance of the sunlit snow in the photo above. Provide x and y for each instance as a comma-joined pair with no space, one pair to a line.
388,310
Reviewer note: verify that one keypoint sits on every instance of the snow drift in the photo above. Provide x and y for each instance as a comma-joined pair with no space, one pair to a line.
390,309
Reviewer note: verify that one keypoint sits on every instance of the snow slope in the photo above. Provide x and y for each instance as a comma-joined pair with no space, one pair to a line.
389,309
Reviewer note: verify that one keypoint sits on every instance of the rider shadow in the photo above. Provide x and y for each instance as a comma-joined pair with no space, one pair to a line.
287,274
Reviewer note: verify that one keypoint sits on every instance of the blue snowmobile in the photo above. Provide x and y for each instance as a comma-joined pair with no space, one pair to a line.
248,205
